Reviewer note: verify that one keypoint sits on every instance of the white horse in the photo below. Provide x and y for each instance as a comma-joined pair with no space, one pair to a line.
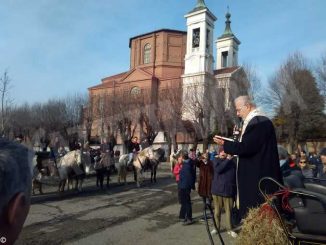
121,166
67,166
148,158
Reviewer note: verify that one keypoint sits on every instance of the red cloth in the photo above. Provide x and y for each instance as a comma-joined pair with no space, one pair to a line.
176,171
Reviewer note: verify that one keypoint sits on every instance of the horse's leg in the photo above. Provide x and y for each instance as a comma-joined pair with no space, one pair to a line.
107,177
155,168
124,172
59,189
138,173
78,181
101,178
67,183
97,177
40,188
80,188
119,175
152,173
135,173
33,187
62,185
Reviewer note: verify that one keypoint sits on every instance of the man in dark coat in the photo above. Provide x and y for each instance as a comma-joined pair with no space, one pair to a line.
185,184
257,155
223,189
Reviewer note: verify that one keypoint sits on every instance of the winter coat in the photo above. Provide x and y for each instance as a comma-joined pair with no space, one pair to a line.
176,171
187,175
258,157
224,180
212,155
205,178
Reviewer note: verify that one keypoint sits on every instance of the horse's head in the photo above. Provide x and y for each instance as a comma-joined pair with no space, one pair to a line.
159,154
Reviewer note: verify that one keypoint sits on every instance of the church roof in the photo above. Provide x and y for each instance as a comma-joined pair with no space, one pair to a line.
114,77
102,85
152,32
199,6
226,70
108,81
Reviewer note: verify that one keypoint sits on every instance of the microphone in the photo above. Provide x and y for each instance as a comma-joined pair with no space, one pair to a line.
237,130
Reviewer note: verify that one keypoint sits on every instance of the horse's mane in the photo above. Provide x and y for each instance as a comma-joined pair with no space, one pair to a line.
143,152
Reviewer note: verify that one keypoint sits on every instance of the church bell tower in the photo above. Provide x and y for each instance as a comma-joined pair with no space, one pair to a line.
198,59
227,47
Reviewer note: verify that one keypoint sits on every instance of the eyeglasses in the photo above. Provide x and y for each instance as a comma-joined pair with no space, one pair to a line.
239,109
302,161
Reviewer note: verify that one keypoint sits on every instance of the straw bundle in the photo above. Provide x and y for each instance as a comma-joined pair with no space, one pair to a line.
262,227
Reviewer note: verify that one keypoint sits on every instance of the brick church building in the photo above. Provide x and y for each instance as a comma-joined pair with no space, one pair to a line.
168,60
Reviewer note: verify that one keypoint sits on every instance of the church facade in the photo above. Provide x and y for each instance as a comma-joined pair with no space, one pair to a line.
171,60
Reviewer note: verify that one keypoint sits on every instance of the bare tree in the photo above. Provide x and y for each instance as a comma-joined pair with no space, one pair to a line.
5,102
321,71
253,83
297,102
169,112
73,108
124,117
88,118
197,108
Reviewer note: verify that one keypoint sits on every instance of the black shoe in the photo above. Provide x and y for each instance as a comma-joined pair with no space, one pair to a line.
188,222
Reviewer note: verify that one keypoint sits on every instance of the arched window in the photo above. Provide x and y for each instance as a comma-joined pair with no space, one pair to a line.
147,53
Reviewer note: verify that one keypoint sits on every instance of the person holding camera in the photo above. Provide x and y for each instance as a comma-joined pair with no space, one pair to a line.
224,190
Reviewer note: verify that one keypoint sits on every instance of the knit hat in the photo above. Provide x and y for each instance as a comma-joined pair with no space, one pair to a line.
323,152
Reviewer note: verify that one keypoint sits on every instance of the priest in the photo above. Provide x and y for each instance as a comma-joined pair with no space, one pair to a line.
257,155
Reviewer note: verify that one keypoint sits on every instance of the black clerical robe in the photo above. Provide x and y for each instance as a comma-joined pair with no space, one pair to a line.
258,157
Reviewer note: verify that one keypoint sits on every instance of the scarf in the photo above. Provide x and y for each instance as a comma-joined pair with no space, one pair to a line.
249,117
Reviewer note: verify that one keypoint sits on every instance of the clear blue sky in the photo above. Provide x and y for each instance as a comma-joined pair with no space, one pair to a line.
55,47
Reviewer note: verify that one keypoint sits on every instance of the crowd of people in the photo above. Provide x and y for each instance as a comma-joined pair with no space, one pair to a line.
231,177
216,184
228,178
306,166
